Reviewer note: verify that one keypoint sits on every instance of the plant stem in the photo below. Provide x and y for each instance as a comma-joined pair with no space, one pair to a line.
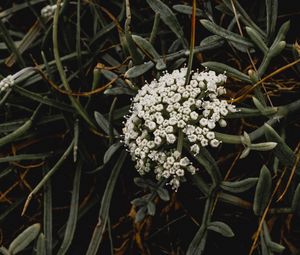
61,71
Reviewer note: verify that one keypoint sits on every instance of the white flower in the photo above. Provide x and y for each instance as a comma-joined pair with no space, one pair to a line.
194,115
180,172
214,143
203,121
157,140
210,135
47,12
171,138
165,106
181,124
184,161
6,83
195,149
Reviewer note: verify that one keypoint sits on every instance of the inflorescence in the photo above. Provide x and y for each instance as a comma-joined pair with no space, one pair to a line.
48,11
6,83
166,107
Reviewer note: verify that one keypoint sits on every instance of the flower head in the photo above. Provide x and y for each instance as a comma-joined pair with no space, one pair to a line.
6,83
166,106
48,11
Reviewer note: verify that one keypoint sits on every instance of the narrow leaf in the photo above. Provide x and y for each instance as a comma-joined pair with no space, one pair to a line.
105,205
163,194
282,151
221,228
239,186
263,146
275,247
24,239
73,215
41,245
185,9
167,16
263,191
114,91
111,151
272,15
148,49
228,35
296,200
138,70
212,40
151,208
257,39
230,71
103,123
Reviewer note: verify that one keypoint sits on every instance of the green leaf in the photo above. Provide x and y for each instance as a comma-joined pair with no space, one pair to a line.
245,18
25,157
185,9
149,50
207,161
141,182
24,239
276,49
245,153
114,91
138,70
221,228
282,151
151,208
105,205
263,146
200,183
282,32
239,186
41,245
263,191
275,247
103,123
272,15
141,214
296,200
257,39
43,99
228,35
4,251
167,16
163,193
212,40
111,151
137,202
230,71
266,111
47,212
73,214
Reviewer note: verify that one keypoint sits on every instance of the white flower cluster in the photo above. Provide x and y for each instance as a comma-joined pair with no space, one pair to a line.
6,83
48,11
166,107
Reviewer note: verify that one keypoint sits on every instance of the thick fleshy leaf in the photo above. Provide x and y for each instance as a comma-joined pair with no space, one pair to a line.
111,151
138,70
220,227
24,239
230,71
151,208
239,186
228,35
296,200
263,191
167,16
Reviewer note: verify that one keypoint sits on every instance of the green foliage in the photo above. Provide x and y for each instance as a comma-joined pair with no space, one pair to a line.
62,160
